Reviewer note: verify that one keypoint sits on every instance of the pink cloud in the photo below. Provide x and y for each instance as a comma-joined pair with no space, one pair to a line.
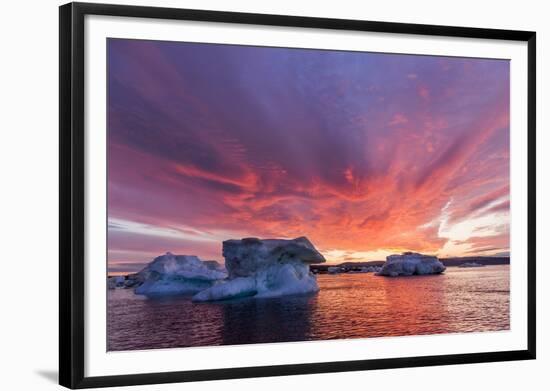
398,119
301,149
424,92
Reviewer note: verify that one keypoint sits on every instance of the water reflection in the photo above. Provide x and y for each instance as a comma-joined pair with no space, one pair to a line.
347,306
423,311
267,320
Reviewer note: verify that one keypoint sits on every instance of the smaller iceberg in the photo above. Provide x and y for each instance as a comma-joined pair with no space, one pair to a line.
409,263
178,274
265,268
368,269
471,264
334,270
115,282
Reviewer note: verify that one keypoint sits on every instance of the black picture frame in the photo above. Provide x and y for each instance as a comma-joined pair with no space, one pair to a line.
71,194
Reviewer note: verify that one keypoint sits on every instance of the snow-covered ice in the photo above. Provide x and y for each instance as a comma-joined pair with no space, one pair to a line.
115,282
409,264
368,269
334,269
471,264
265,268
178,274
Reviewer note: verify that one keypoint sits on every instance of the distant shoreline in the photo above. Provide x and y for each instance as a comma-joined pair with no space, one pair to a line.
356,266
449,262
481,260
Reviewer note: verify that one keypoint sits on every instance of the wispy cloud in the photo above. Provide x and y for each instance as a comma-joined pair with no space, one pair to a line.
210,142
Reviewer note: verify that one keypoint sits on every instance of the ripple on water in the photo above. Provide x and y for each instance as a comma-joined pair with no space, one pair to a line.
347,306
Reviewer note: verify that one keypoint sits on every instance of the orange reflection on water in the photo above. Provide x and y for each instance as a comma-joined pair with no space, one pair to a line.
461,300
347,306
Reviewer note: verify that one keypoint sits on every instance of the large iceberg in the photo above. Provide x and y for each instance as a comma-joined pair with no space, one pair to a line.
265,268
409,263
178,274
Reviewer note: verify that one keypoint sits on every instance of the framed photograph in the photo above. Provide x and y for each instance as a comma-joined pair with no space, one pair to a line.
247,195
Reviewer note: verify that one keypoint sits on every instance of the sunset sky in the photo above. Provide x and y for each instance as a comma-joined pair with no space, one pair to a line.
366,154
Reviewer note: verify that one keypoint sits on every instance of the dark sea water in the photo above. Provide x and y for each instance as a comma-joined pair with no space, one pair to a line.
347,306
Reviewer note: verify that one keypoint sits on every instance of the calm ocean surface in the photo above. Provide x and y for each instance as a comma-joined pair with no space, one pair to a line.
347,306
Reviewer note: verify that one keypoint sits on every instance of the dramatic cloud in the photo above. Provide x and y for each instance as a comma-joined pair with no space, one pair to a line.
364,153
